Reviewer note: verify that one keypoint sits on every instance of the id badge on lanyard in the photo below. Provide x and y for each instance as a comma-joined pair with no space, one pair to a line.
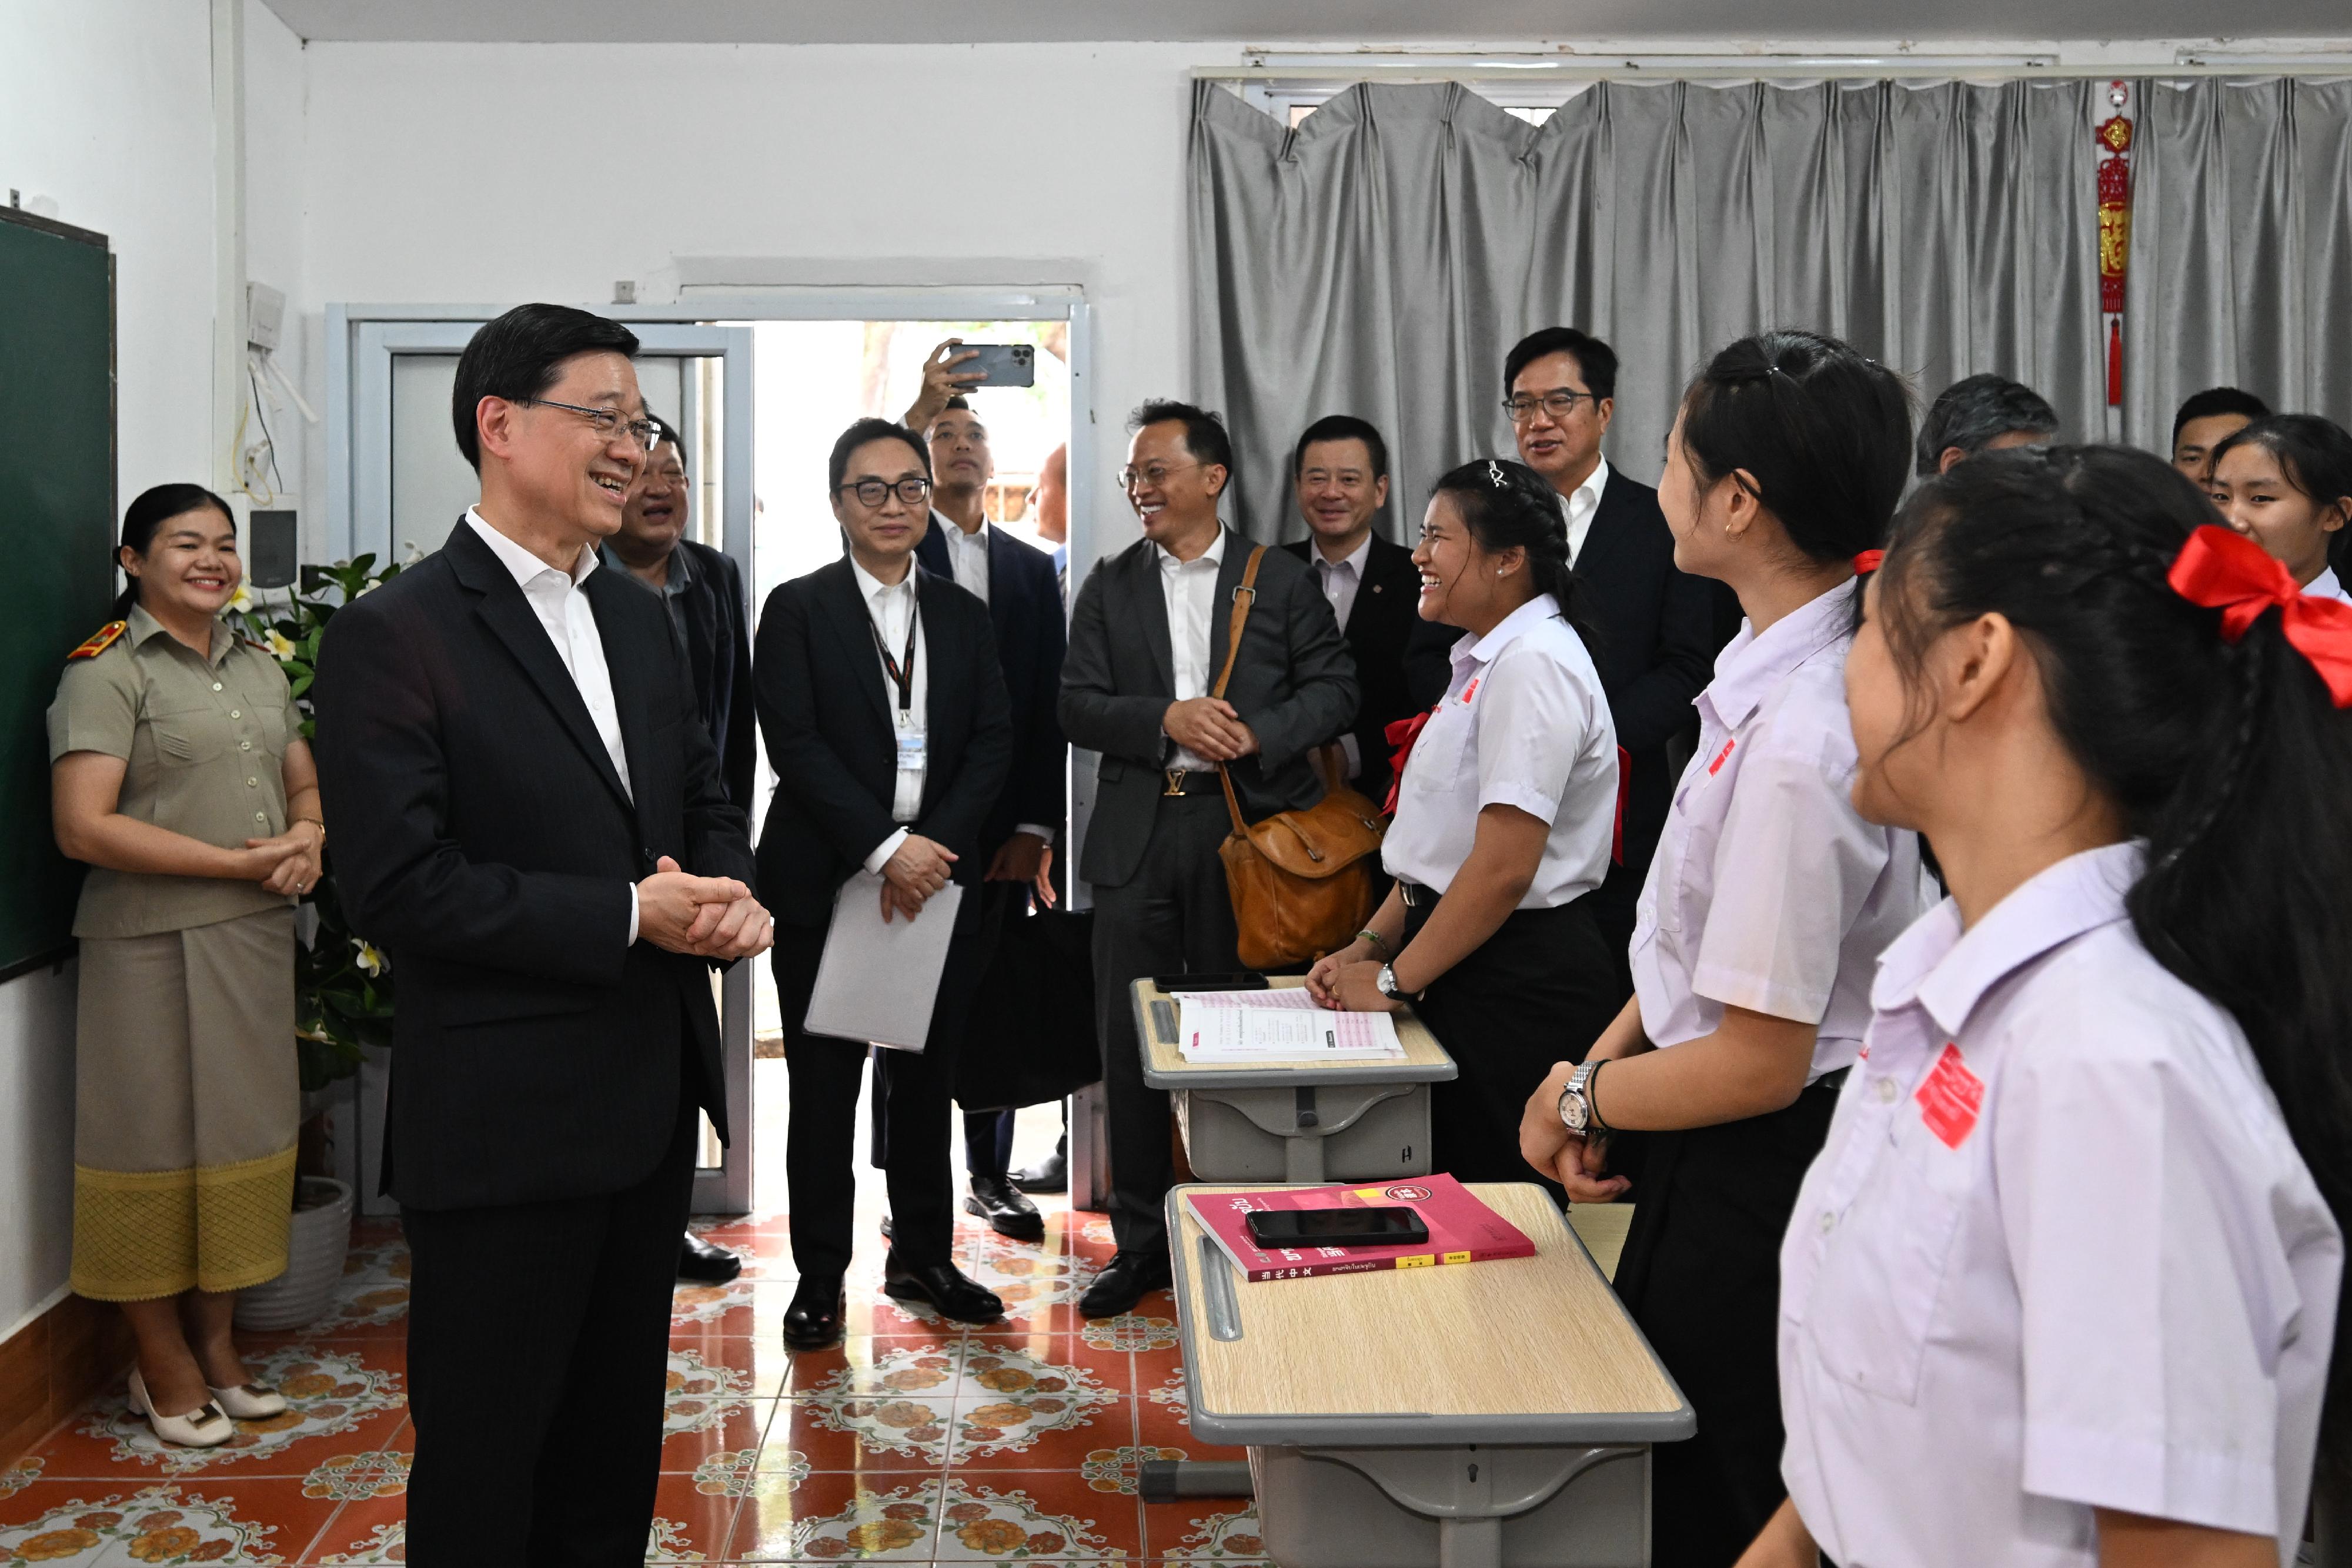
905,721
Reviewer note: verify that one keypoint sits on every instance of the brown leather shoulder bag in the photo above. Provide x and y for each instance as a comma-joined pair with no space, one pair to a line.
1301,882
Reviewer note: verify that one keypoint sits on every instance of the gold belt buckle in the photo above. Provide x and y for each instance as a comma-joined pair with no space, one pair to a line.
1175,779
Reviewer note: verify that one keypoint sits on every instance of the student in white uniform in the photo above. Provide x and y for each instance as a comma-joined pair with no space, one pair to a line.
1761,921
1506,804
2062,1288
2285,482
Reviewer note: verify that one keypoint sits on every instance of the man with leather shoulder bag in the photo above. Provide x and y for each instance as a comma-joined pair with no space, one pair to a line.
1149,636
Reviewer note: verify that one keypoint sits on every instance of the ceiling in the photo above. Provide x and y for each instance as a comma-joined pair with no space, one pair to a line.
1620,22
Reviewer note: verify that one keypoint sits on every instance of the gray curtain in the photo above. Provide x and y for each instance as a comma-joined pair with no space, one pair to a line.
1381,258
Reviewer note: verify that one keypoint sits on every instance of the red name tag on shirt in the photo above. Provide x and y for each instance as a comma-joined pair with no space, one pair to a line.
1721,756
1951,1098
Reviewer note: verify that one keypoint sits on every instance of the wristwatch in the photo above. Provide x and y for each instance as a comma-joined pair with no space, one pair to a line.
1390,990
1576,1104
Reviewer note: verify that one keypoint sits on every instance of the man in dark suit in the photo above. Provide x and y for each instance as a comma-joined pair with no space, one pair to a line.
1659,629
703,590
1148,638
507,740
1017,582
887,727
1341,472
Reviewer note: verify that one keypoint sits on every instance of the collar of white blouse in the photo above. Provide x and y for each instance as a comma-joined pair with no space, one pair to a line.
1750,665
1948,971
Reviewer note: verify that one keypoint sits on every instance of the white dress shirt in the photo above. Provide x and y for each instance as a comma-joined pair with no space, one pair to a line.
1580,505
2057,1254
1768,890
570,622
1343,578
967,554
888,606
1189,588
1523,724
2327,586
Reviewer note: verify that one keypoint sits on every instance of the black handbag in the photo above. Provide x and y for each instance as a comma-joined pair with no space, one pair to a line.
1031,1039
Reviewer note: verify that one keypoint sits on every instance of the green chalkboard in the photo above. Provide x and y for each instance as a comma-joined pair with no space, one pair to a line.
57,517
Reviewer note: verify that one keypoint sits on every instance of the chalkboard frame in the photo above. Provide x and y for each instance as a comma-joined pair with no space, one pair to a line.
55,953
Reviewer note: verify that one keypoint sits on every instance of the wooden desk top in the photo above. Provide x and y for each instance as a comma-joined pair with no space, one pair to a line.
1518,1350
1164,1066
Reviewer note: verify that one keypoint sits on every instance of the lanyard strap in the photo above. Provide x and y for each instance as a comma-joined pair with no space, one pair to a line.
903,677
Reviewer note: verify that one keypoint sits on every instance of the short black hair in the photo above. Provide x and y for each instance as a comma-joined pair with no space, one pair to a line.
1204,433
1342,427
517,358
864,431
1975,411
666,432
1595,360
2213,401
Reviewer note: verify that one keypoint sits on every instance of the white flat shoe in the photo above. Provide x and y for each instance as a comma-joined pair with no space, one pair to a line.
250,1402
205,1427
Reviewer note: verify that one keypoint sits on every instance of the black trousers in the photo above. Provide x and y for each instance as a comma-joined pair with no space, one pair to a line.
1538,992
988,1143
911,1132
1173,914
550,1458
1701,1274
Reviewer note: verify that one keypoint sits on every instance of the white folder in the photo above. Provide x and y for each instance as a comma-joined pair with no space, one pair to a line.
877,982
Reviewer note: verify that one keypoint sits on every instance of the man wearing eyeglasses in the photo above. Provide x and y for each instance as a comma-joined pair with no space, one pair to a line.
533,828
1148,638
1660,628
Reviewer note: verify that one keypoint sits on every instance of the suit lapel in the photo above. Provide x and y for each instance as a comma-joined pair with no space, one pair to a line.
1221,608
1606,533
852,627
632,674
938,696
1149,609
1001,587
510,618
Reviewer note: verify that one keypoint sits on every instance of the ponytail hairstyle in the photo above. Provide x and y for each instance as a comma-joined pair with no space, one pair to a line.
1503,503
146,516
1824,433
2229,758
2316,454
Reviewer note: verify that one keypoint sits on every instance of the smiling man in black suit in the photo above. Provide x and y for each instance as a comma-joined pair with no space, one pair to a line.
508,737
1340,472
1659,629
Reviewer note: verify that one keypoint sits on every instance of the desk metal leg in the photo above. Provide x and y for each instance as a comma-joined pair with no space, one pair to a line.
1302,1161
1089,1156
1469,1543
1165,1480
1330,1508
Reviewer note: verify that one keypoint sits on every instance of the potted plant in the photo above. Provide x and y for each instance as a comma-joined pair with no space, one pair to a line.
343,984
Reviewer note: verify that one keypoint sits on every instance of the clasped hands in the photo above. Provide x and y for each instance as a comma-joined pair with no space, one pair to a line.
1578,1164
916,869
1210,727
1349,981
289,862
701,917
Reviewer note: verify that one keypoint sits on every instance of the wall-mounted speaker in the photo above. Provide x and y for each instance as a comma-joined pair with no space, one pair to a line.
270,549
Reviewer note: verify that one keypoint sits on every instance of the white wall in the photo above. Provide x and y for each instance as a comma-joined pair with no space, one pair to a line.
275,134
495,173
107,111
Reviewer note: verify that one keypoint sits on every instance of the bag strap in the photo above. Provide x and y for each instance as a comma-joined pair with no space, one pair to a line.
1245,596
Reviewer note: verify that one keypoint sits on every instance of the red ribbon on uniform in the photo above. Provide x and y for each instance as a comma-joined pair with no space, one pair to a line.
2229,573
1624,787
1867,561
1401,734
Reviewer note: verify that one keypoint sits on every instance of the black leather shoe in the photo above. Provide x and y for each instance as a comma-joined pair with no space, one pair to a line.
704,1264
1008,1213
813,1319
945,1287
1130,1277
1050,1174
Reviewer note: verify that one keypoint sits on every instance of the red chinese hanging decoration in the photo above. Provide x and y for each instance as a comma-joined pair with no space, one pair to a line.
2113,136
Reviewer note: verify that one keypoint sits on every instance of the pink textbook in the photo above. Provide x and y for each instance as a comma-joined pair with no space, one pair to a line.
1461,1228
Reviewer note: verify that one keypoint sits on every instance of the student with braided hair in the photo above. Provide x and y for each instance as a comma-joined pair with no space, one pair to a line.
1762,918
1506,809
2061,1290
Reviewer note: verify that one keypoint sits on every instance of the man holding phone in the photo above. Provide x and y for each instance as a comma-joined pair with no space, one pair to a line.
954,368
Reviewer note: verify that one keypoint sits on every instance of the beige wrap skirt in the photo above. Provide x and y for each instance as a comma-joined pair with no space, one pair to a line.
187,1101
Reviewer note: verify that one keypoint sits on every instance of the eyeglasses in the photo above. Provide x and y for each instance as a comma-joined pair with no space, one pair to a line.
608,422
1558,404
1154,474
874,492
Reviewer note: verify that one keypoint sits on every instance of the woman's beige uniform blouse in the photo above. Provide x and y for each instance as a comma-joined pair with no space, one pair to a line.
204,743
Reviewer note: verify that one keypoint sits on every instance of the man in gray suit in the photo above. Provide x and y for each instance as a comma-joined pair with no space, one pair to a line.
1147,639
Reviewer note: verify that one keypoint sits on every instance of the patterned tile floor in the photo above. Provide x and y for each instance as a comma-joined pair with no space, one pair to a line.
912,1441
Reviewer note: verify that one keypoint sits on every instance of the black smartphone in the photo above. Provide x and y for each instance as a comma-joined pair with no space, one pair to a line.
1242,980
1296,1227
1007,364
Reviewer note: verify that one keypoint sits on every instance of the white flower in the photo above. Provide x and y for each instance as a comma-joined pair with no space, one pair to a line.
371,959
280,648
373,584
242,600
